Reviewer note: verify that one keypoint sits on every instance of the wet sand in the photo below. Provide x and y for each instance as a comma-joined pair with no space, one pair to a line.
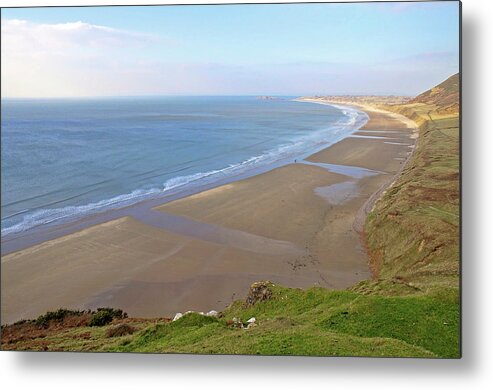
294,225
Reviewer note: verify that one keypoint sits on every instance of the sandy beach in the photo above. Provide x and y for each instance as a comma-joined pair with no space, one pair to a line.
294,225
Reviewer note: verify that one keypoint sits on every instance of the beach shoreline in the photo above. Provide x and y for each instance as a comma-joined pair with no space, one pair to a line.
15,241
294,224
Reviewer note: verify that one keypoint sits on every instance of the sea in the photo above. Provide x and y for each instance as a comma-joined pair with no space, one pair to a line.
65,159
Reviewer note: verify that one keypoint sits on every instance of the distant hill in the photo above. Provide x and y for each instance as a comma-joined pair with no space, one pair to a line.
445,95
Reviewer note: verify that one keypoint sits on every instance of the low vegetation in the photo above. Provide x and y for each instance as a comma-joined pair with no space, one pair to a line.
105,315
291,322
413,232
120,330
411,308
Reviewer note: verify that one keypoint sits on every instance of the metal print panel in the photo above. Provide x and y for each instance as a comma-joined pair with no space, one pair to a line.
272,179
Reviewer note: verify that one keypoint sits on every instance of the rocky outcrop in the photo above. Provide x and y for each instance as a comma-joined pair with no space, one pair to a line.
259,291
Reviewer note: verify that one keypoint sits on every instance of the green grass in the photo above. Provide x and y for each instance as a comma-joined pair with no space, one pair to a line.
417,320
316,322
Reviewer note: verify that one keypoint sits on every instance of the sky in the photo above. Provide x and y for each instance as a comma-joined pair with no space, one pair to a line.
278,49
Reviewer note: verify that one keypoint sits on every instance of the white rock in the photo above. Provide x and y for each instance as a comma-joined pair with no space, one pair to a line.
177,316
212,313
251,320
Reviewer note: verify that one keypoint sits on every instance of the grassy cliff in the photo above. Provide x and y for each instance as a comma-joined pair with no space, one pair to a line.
410,308
413,231
291,322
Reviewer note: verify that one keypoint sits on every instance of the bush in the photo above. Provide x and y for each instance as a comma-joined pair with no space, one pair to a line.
104,315
120,330
57,316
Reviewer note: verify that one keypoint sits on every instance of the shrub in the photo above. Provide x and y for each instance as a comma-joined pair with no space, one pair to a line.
120,330
57,316
104,315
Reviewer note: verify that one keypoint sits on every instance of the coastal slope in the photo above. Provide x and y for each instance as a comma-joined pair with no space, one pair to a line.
414,230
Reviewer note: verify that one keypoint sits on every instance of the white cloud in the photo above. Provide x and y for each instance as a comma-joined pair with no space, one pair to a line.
65,59
21,35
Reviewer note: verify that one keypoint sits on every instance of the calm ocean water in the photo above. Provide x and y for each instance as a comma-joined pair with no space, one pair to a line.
66,158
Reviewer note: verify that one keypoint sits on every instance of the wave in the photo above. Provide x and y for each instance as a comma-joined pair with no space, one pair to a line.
349,123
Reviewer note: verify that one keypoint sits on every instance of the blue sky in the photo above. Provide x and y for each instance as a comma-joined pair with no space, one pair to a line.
290,49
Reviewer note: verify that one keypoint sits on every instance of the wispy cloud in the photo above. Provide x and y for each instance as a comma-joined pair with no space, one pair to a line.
63,58
21,36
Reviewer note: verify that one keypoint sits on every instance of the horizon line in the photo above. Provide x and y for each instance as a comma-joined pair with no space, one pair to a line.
205,95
